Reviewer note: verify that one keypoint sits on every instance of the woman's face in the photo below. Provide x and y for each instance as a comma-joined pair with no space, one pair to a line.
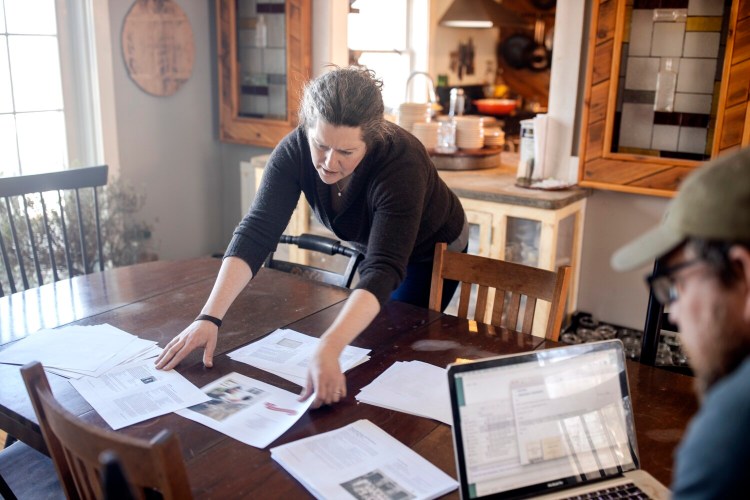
336,151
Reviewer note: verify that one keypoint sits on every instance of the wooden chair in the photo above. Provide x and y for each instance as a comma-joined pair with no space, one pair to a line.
324,245
75,448
35,238
506,278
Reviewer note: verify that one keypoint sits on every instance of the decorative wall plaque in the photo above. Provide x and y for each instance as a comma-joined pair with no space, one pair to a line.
157,45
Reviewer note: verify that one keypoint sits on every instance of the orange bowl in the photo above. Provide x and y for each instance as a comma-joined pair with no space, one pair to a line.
495,106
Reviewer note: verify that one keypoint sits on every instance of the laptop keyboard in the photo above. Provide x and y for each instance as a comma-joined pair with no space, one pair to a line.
627,490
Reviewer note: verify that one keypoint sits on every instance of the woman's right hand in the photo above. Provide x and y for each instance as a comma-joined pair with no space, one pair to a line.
198,334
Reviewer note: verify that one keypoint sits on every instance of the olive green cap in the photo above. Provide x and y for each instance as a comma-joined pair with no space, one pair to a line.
712,203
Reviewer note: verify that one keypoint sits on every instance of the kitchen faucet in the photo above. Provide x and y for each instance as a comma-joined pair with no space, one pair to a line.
430,89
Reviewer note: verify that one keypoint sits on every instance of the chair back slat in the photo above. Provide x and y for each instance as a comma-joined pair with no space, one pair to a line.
481,304
99,246
524,285
84,257
514,305
498,307
464,299
528,315
75,448
8,269
64,227
48,232
16,244
26,223
32,241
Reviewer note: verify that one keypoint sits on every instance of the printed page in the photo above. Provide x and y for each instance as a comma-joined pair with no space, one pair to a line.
361,461
287,353
137,392
247,410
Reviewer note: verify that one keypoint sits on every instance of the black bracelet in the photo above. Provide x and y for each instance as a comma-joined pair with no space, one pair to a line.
206,317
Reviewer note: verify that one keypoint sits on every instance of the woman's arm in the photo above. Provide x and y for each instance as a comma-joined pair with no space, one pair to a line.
233,277
324,377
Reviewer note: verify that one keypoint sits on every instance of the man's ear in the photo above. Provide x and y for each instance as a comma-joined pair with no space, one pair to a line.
740,256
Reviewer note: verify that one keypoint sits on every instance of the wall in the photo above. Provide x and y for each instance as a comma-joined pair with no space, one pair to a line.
613,219
443,41
168,146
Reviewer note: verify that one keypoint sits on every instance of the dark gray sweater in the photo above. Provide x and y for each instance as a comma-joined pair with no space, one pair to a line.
394,210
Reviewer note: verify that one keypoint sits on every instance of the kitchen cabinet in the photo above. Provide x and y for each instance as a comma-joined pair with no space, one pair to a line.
264,59
666,89
532,227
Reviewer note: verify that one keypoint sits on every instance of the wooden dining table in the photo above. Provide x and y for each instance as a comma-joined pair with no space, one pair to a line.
157,300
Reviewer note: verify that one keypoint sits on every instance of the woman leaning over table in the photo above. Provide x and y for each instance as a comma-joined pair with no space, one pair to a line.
372,184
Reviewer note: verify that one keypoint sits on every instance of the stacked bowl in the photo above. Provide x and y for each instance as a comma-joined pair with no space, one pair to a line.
427,133
469,132
410,113
494,137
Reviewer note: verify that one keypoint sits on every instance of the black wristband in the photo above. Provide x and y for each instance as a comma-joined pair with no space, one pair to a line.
206,317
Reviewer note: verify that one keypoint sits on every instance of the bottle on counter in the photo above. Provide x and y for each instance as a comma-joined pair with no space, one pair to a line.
666,84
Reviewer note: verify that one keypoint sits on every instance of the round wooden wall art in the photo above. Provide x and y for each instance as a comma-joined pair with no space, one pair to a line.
157,44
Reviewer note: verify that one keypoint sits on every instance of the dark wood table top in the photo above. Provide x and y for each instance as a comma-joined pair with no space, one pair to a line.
220,467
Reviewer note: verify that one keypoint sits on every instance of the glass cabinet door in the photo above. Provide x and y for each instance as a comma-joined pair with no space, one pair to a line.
264,60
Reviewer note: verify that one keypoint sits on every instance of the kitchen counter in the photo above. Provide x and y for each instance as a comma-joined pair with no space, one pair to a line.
499,185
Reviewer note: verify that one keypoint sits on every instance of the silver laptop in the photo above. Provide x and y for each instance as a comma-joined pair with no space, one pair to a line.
555,423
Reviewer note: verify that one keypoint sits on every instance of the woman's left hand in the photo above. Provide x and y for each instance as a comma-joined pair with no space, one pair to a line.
324,377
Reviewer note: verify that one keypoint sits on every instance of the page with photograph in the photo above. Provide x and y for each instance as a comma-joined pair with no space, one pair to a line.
364,462
247,410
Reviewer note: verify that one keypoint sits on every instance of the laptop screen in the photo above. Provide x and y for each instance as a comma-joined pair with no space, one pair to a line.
530,423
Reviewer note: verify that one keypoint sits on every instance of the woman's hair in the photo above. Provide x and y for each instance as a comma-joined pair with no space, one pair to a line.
349,97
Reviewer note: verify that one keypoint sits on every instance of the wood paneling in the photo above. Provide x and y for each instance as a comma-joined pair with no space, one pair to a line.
666,179
620,172
598,102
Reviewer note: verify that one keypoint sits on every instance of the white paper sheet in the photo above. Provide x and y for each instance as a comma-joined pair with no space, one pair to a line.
361,461
76,351
411,387
287,353
247,410
136,392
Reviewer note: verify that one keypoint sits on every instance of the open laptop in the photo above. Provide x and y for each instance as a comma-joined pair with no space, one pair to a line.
555,423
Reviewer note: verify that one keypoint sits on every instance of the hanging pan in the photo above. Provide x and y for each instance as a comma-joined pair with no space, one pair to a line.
538,56
515,50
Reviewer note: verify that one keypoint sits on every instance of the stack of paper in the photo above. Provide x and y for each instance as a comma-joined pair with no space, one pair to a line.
248,410
287,353
361,461
77,351
411,387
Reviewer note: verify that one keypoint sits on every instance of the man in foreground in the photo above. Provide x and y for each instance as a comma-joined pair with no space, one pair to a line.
704,244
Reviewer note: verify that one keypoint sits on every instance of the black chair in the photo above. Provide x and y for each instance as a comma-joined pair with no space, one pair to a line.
324,245
46,219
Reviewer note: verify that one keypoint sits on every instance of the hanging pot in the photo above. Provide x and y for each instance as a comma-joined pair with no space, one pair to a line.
543,4
515,48
538,56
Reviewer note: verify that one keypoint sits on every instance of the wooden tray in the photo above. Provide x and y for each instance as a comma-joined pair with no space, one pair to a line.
467,159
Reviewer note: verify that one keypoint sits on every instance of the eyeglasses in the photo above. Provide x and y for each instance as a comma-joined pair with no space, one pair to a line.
664,286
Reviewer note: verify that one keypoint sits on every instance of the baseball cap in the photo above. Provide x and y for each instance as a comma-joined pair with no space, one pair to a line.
712,203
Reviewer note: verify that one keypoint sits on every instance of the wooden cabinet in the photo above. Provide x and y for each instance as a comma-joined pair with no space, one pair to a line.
632,139
264,60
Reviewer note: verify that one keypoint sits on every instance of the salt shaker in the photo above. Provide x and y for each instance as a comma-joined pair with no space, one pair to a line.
457,103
